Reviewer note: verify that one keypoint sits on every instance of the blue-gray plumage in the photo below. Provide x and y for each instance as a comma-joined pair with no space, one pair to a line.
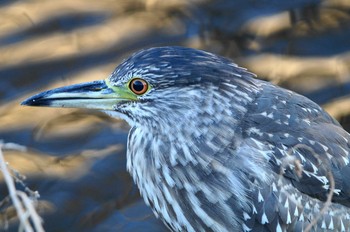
211,148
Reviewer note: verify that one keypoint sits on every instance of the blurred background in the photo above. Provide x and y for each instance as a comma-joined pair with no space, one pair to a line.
76,158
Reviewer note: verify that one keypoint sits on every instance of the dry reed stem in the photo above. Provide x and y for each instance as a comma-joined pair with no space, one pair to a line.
29,219
291,159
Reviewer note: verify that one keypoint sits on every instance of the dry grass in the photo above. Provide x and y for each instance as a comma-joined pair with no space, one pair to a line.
23,202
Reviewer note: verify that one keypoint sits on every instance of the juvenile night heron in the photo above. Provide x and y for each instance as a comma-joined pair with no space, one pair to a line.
213,149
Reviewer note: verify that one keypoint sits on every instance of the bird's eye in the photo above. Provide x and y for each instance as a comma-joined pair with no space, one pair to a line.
138,86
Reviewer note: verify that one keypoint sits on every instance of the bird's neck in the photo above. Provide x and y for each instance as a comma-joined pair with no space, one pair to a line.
203,126
180,158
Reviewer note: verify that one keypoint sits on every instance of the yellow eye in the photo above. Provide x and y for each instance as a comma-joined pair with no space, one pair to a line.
138,86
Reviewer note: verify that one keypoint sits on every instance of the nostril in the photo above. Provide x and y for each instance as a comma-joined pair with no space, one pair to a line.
95,89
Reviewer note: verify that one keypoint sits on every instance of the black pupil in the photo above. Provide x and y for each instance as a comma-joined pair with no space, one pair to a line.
138,85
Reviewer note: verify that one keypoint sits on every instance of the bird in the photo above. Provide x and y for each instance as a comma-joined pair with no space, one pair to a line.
213,148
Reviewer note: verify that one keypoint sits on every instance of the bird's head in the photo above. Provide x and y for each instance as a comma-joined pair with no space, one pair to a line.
157,86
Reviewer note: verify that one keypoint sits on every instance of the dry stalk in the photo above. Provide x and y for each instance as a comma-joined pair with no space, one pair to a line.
29,219
292,160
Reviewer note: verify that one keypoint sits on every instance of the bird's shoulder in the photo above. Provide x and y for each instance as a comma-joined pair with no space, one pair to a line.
303,142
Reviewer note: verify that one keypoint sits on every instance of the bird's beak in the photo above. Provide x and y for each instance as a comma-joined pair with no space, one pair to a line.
92,95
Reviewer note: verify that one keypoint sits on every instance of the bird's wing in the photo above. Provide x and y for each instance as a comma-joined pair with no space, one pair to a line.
306,145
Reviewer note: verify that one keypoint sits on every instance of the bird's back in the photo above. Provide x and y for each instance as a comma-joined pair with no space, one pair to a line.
308,155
